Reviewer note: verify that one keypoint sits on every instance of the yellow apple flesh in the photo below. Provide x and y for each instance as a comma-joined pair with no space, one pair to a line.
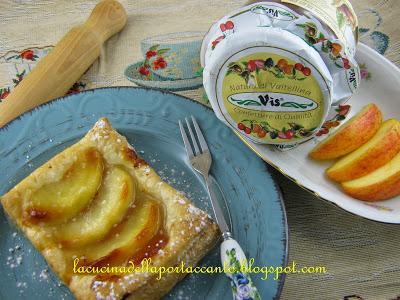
375,153
381,184
115,195
62,200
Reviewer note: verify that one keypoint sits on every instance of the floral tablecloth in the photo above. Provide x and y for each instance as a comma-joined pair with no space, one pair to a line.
362,257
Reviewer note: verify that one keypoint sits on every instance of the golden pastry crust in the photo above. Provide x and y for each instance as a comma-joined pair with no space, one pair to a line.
191,232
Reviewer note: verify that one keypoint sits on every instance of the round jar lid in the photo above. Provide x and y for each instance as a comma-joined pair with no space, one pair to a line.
268,84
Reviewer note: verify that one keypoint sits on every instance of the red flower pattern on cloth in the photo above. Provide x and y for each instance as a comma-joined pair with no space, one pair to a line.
154,61
76,88
20,58
159,63
4,93
144,71
18,77
150,54
27,54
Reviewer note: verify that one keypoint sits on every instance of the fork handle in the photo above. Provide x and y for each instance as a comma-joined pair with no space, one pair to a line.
235,264
232,255
219,216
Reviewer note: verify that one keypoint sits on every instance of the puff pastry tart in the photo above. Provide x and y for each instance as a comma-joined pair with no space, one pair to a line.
98,201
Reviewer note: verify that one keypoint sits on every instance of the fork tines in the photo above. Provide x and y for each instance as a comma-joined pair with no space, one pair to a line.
199,144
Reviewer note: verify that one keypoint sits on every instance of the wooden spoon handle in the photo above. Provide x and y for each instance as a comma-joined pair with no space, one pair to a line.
55,74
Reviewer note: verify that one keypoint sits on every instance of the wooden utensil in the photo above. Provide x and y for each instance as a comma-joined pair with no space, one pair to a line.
54,75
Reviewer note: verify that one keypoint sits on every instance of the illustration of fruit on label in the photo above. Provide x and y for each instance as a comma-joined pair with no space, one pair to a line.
337,14
271,95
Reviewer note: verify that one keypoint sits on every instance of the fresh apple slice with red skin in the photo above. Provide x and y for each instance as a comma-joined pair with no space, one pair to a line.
62,200
351,135
135,232
379,150
112,201
381,184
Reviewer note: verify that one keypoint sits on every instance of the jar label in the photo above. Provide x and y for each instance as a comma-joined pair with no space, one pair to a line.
271,95
337,14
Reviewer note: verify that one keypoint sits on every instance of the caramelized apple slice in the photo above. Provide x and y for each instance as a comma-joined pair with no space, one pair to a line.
65,198
115,195
142,223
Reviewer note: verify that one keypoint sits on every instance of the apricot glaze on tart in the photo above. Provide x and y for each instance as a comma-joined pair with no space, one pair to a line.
99,204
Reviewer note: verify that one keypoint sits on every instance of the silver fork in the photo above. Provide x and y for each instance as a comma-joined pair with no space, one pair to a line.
233,258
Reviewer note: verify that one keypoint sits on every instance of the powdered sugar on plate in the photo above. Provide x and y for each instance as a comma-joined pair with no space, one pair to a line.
187,182
23,264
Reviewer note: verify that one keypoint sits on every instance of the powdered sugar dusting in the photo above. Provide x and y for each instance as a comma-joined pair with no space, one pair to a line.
194,210
100,123
182,179
20,253
15,258
147,170
44,274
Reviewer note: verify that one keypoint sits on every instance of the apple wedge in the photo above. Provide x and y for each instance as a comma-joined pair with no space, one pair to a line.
61,200
115,195
141,224
351,135
384,145
381,184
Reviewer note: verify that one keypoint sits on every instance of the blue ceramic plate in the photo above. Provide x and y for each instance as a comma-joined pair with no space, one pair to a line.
156,81
148,118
